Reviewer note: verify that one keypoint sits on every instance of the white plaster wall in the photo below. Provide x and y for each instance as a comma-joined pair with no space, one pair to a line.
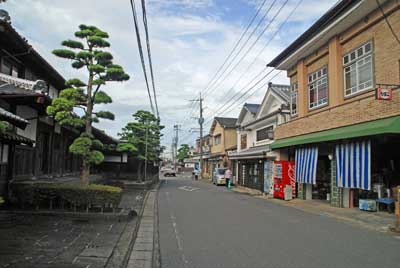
112,158
31,129
53,92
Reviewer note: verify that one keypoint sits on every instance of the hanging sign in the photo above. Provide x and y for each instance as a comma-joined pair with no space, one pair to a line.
384,93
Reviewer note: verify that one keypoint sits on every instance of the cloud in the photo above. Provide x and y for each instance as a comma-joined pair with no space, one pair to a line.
189,41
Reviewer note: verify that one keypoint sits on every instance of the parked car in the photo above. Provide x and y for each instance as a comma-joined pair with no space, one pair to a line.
168,172
219,176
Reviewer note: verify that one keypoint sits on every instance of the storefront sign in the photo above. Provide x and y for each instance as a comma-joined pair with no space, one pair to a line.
384,93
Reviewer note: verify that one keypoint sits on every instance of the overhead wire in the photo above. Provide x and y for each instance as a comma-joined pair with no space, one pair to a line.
139,42
146,30
261,51
265,46
212,81
253,44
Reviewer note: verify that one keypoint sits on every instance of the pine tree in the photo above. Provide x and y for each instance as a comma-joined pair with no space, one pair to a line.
89,53
144,129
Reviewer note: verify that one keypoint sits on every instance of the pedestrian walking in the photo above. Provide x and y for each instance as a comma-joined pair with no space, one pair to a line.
228,178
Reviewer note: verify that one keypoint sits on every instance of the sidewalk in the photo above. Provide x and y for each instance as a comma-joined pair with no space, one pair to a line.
74,242
377,221
146,243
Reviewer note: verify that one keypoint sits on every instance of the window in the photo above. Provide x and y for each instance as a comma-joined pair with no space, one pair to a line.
243,141
265,133
3,153
318,88
293,98
357,70
217,139
8,68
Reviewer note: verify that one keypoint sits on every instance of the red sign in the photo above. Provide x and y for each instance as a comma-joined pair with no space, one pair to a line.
384,93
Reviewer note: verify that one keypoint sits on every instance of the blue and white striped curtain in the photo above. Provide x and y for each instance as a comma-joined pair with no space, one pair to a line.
353,165
306,164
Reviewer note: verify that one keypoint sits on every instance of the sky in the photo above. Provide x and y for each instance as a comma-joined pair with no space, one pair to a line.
189,39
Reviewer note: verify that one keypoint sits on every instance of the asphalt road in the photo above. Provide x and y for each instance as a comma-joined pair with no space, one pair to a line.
205,226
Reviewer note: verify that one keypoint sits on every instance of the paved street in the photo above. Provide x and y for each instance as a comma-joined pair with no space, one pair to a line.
202,225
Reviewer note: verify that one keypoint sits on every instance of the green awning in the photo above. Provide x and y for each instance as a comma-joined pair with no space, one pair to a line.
382,126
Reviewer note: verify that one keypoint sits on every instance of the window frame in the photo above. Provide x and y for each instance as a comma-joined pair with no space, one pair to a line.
260,129
294,90
215,139
315,78
354,63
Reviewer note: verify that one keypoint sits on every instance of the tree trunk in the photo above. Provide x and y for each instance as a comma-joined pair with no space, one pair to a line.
139,171
88,128
85,172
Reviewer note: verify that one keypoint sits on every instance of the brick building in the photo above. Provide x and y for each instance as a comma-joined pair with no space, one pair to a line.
343,138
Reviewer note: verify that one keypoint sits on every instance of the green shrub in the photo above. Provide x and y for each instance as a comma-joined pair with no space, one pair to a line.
1,200
75,194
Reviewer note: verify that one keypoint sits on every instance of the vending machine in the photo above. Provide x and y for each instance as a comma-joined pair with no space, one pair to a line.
283,172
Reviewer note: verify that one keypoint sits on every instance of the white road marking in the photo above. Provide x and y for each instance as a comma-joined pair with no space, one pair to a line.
188,188
178,239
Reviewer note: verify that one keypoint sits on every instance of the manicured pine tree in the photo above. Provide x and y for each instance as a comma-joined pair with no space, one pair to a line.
89,53
144,129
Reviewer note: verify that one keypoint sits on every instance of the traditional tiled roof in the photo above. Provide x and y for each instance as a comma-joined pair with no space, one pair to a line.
12,118
281,90
20,44
252,107
103,136
8,136
226,122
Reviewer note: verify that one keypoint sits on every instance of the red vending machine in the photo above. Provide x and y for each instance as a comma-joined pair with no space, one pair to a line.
283,172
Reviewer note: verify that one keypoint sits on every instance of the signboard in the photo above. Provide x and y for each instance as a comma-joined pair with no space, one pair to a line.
384,93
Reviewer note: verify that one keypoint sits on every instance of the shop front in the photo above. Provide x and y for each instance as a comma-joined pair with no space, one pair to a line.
254,167
352,166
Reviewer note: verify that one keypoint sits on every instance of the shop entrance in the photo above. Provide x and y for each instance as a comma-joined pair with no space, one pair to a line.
385,173
322,189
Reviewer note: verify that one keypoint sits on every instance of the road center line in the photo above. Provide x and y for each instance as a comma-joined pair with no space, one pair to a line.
178,239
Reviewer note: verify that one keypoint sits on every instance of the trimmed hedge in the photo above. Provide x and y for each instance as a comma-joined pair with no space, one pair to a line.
75,194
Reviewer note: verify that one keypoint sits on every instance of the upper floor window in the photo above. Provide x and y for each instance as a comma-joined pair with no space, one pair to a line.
217,139
9,68
243,141
318,88
293,98
357,69
264,133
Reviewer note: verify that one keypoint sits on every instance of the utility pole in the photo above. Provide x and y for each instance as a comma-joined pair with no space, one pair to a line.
175,144
145,160
201,122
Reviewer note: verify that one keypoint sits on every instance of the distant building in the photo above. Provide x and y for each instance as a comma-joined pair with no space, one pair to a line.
254,158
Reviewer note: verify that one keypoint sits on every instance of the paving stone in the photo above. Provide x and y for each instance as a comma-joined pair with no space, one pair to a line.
139,264
143,246
144,240
104,252
141,255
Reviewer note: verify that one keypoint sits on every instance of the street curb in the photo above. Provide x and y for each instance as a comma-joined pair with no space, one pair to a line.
127,239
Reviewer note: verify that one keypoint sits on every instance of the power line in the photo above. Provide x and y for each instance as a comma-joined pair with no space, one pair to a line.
235,94
139,42
253,44
265,46
250,95
243,46
253,86
149,54
236,45
387,22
